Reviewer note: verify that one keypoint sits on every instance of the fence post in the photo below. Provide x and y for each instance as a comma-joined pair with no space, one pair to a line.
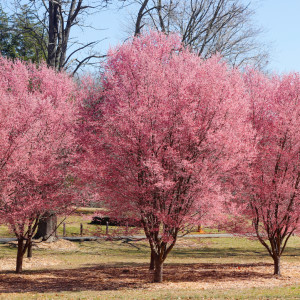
107,227
81,229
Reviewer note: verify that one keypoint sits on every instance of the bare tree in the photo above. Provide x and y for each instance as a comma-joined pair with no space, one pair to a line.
58,18
208,27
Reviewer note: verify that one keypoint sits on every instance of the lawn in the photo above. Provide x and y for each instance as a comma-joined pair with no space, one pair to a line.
207,268
83,216
72,224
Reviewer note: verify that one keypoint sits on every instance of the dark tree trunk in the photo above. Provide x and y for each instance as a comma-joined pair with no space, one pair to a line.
20,255
151,267
158,270
46,227
29,242
138,23
276,265
52,32
29,249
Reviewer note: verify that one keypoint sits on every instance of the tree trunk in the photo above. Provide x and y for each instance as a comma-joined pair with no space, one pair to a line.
29,249
151,267
158,271
276,265
52,32
20,254
46,227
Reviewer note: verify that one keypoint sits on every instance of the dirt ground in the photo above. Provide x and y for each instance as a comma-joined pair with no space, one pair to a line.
114,277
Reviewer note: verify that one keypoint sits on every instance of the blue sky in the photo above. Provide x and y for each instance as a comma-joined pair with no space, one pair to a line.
280,20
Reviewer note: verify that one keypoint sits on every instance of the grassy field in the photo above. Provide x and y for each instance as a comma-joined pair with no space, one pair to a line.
72,226
84,217
215,268
292,292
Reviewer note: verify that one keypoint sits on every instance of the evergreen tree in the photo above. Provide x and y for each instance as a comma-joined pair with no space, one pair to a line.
19,40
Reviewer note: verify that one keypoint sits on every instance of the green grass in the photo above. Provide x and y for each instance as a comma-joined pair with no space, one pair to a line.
83,215
291,292
84,266
91,259
88,210
72,225
5,232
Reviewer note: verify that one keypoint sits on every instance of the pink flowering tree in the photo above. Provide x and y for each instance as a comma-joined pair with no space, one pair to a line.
173,126
269,196
37,117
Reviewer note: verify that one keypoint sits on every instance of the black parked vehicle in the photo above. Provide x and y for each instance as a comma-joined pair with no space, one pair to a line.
97,220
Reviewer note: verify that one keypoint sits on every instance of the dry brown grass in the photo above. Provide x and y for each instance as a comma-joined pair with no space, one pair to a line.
114,277
103,270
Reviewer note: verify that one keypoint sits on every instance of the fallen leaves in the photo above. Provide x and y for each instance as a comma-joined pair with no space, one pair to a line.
114,277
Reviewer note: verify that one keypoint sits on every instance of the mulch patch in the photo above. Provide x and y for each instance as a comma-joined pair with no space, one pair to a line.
114,277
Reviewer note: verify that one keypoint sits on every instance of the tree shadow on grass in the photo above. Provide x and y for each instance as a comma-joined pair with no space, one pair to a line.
217,252
230,252
114,277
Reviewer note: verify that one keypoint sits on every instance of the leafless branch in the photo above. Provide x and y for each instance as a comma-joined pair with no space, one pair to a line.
207,27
